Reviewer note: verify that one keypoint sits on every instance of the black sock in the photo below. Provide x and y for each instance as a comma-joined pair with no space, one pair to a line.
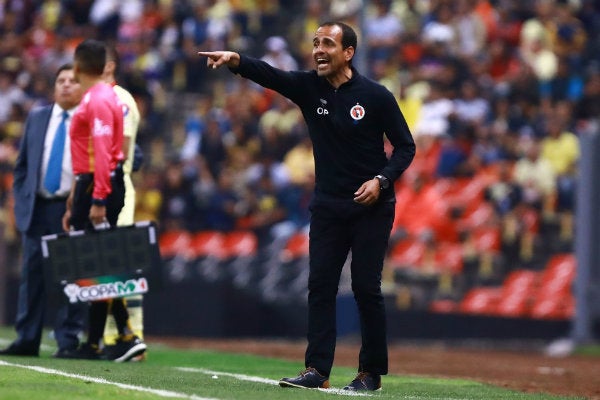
121,316
97,320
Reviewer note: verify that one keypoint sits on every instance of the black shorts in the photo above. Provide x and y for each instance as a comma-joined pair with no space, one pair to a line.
82,199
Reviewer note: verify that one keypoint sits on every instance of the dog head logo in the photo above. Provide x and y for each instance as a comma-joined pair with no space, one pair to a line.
357,112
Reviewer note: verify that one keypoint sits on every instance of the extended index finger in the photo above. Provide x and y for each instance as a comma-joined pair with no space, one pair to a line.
210,54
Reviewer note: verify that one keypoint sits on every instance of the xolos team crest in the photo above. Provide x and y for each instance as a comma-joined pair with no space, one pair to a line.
357,112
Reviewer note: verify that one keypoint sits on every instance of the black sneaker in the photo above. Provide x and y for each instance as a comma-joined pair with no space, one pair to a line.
365,381
18,350
125,350
85,351
310,378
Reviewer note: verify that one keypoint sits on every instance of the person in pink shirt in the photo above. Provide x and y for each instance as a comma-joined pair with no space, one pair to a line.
96,144
98,193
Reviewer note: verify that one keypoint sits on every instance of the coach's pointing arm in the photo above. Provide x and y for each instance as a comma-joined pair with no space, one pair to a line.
215,59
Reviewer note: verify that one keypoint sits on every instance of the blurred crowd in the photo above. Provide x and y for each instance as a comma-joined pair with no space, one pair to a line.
501,86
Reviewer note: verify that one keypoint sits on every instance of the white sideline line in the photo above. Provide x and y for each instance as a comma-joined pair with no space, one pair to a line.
158,392
249,378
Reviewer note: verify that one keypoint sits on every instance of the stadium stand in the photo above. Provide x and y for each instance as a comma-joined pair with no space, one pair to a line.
467,237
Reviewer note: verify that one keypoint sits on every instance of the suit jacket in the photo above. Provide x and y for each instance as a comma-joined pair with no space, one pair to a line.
28,165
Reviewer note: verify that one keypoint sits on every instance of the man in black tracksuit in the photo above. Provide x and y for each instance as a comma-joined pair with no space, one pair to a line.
353,207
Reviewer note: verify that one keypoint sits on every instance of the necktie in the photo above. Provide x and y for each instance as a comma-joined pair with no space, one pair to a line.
54,170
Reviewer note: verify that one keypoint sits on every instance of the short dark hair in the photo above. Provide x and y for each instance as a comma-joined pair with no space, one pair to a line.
90,56
64,67
349,37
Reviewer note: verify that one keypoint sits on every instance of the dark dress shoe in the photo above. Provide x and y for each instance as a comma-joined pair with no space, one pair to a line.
83,352
17,350
65,353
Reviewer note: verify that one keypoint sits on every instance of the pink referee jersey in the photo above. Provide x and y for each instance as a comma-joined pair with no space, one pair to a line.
97,136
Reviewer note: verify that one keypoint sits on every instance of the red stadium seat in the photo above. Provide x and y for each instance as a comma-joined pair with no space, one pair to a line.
296,247
554,298
239,244
423,209
558,275
172,243
481,300
408,253
517,292
207,244
464,192
443,306
554,308
487,239
449,257
476,215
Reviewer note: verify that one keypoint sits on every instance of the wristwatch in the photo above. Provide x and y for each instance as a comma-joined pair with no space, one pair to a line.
384,182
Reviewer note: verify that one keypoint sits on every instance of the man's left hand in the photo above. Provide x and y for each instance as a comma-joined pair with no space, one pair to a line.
368,192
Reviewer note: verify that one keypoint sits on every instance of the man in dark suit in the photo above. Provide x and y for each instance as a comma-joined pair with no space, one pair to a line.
42,181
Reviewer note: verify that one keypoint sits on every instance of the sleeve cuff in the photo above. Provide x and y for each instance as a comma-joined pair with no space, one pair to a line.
98,202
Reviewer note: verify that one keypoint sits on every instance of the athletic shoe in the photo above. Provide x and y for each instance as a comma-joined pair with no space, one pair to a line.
125,350
310,378
19,350
85,351
365,381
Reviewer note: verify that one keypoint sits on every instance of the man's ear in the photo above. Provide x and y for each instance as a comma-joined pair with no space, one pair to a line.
349,53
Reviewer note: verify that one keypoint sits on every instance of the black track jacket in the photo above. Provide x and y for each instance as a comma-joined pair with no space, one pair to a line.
346,126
